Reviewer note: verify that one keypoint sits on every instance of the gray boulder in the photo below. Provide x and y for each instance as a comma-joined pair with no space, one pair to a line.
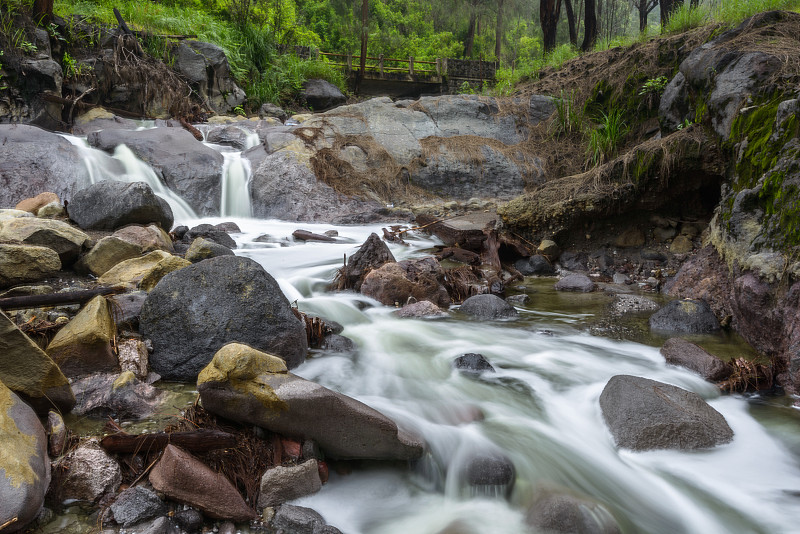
109,205
536,264
685,316
643,414
120,396
194,311
285,483
205,66
228,135
371,255
579,283
291,519
86,473
271,110
680,352
211,233
558,512
488,307
137,504
320,95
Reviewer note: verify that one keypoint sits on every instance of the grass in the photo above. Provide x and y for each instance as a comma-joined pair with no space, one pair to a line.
606,139
729,12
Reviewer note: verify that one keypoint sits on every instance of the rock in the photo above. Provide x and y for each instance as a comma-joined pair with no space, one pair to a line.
252,387
685,354
621,279
109,205
13,214
632,237
421,309
21,263
147,238
549,249
107,253
202,249
472,363
83,346
623,304
643,414
205,66
54,209
120,396
489,471
57,434
520,299
32,205
681,245
337,343
135,505
280,484
23,461
537,264
29,372
663,235
210,233
557,512
229,227
193,312
576,282
574,261
145,271
184,478
372,254
187,166
320,95
86,473
126,308
190,520
133,357
488,307
228,135
56,235
271,110
395,283
687,316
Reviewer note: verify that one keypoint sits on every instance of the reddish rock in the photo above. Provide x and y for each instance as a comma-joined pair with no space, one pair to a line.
324,472
291,448
32,205
680,352
395,283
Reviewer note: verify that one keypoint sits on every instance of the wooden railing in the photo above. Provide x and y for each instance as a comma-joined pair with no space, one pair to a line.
414,67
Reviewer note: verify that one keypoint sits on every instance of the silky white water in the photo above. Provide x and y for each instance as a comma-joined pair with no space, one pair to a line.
236,174
540,409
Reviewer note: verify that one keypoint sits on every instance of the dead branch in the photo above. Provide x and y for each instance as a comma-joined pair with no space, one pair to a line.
58,299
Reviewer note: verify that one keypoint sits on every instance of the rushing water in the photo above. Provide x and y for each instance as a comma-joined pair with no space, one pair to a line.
540,410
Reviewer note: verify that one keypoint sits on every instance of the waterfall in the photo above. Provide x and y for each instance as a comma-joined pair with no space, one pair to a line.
235,180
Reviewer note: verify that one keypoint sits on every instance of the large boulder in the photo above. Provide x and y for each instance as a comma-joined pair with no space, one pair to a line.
193,312
86,473
371,255
686,316
23,462
255,388
84,345
29,372
487,306
557,512
643,414
66,240
109,205
680,352
187,166
23,263
205,66
395,283
320,95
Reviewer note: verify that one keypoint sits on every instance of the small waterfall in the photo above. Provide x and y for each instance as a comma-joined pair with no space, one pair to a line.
235,181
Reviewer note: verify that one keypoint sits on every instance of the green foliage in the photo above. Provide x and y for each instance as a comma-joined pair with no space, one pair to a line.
285,78
239,110
606,139
685,18
735,12
654,86
71,67
570,118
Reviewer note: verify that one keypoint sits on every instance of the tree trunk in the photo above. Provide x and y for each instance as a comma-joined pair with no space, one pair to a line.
589,26
644,7
498,31
362,64
473,20
573,34
549,11
43,12
667,7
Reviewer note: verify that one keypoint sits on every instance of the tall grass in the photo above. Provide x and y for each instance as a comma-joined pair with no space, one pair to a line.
735,11
607,138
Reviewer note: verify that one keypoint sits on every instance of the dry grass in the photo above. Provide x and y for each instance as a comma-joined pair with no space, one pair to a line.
748,376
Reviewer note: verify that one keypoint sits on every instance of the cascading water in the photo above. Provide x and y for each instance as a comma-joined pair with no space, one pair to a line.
236,174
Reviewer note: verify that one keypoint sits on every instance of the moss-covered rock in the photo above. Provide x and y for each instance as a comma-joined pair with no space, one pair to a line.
22,263
144,271
84,345
107,253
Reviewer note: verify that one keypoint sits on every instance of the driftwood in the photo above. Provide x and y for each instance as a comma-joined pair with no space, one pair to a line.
58,299
191,129
192,441
460,255
305,235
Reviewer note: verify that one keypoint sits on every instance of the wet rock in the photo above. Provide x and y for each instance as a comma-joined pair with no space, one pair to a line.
29,372
126,308
681,245
562,513
280,484
549,249
643,414
686,316
229,135
86,473
120,396
137,504
653,255
421,309
337,343
190,520
109,205
20,264
107,253
205,66
252,387
56,434
320,95
300,520
538,265
32,205
370,256
184,478
145,271
229,227
574,261
271,110
632,237
623,304
159,525
202,249
685,354
133,357
147,238
59,236
472,363
23,461
521,299
193,312
488,471
211,233
395,283
488,307
83,346
579,283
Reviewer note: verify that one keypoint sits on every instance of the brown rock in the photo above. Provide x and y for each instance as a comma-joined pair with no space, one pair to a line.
394,283
680,352
681,245
632,237
147,238
281,484
32,205
372,254
84,345
21,263
184,478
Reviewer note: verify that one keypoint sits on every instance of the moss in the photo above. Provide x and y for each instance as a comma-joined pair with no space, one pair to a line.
16,447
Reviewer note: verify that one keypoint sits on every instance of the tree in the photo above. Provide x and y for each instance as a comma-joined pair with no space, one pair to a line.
498,30
589,26
43,12
644,7
549,11
667,7
573,34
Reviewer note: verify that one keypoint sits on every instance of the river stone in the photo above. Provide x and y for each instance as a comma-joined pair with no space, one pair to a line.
202,249
300,520
13,214
400,282
133,357
83,346
66,240
108,205
681,245
680,352
488,307
86,473
562,513
193,312
56,434
472,363
147,238
144,271
23,462
623,304
135,505
251,387
686,316
579,283
126,308
107,253
184,478
32,205
420,310
487,471
536,264
120,396
320,95
211,233
339,344
549,249
190,520
643,414
372,254
280,484
29,372
21,263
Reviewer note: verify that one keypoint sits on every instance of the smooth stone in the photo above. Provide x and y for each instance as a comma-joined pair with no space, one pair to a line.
421,309
685,316
137,504
677,351
32,205
579,283
487,307
557,512
59,236
286,483
145,271
107,253
472,363
83,346
20,264
202,249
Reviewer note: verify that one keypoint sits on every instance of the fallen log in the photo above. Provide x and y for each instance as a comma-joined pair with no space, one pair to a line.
305,235
58,299
192,441
191,129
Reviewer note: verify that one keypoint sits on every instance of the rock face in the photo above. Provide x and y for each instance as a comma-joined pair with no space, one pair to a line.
64,239
281,484
685,354
86,473
193,312
31,373
687,316
109,205
188,167
184,478
396,283
83,346
206,68
488,307
23,462
562,513
252,387
643,414
20,264
320,95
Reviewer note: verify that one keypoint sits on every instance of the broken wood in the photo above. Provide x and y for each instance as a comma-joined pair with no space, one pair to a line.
192,441
393,235
463,231
305,235
58,299
459,255
191,129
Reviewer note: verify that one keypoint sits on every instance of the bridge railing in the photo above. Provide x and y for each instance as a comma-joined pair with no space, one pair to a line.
382,65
